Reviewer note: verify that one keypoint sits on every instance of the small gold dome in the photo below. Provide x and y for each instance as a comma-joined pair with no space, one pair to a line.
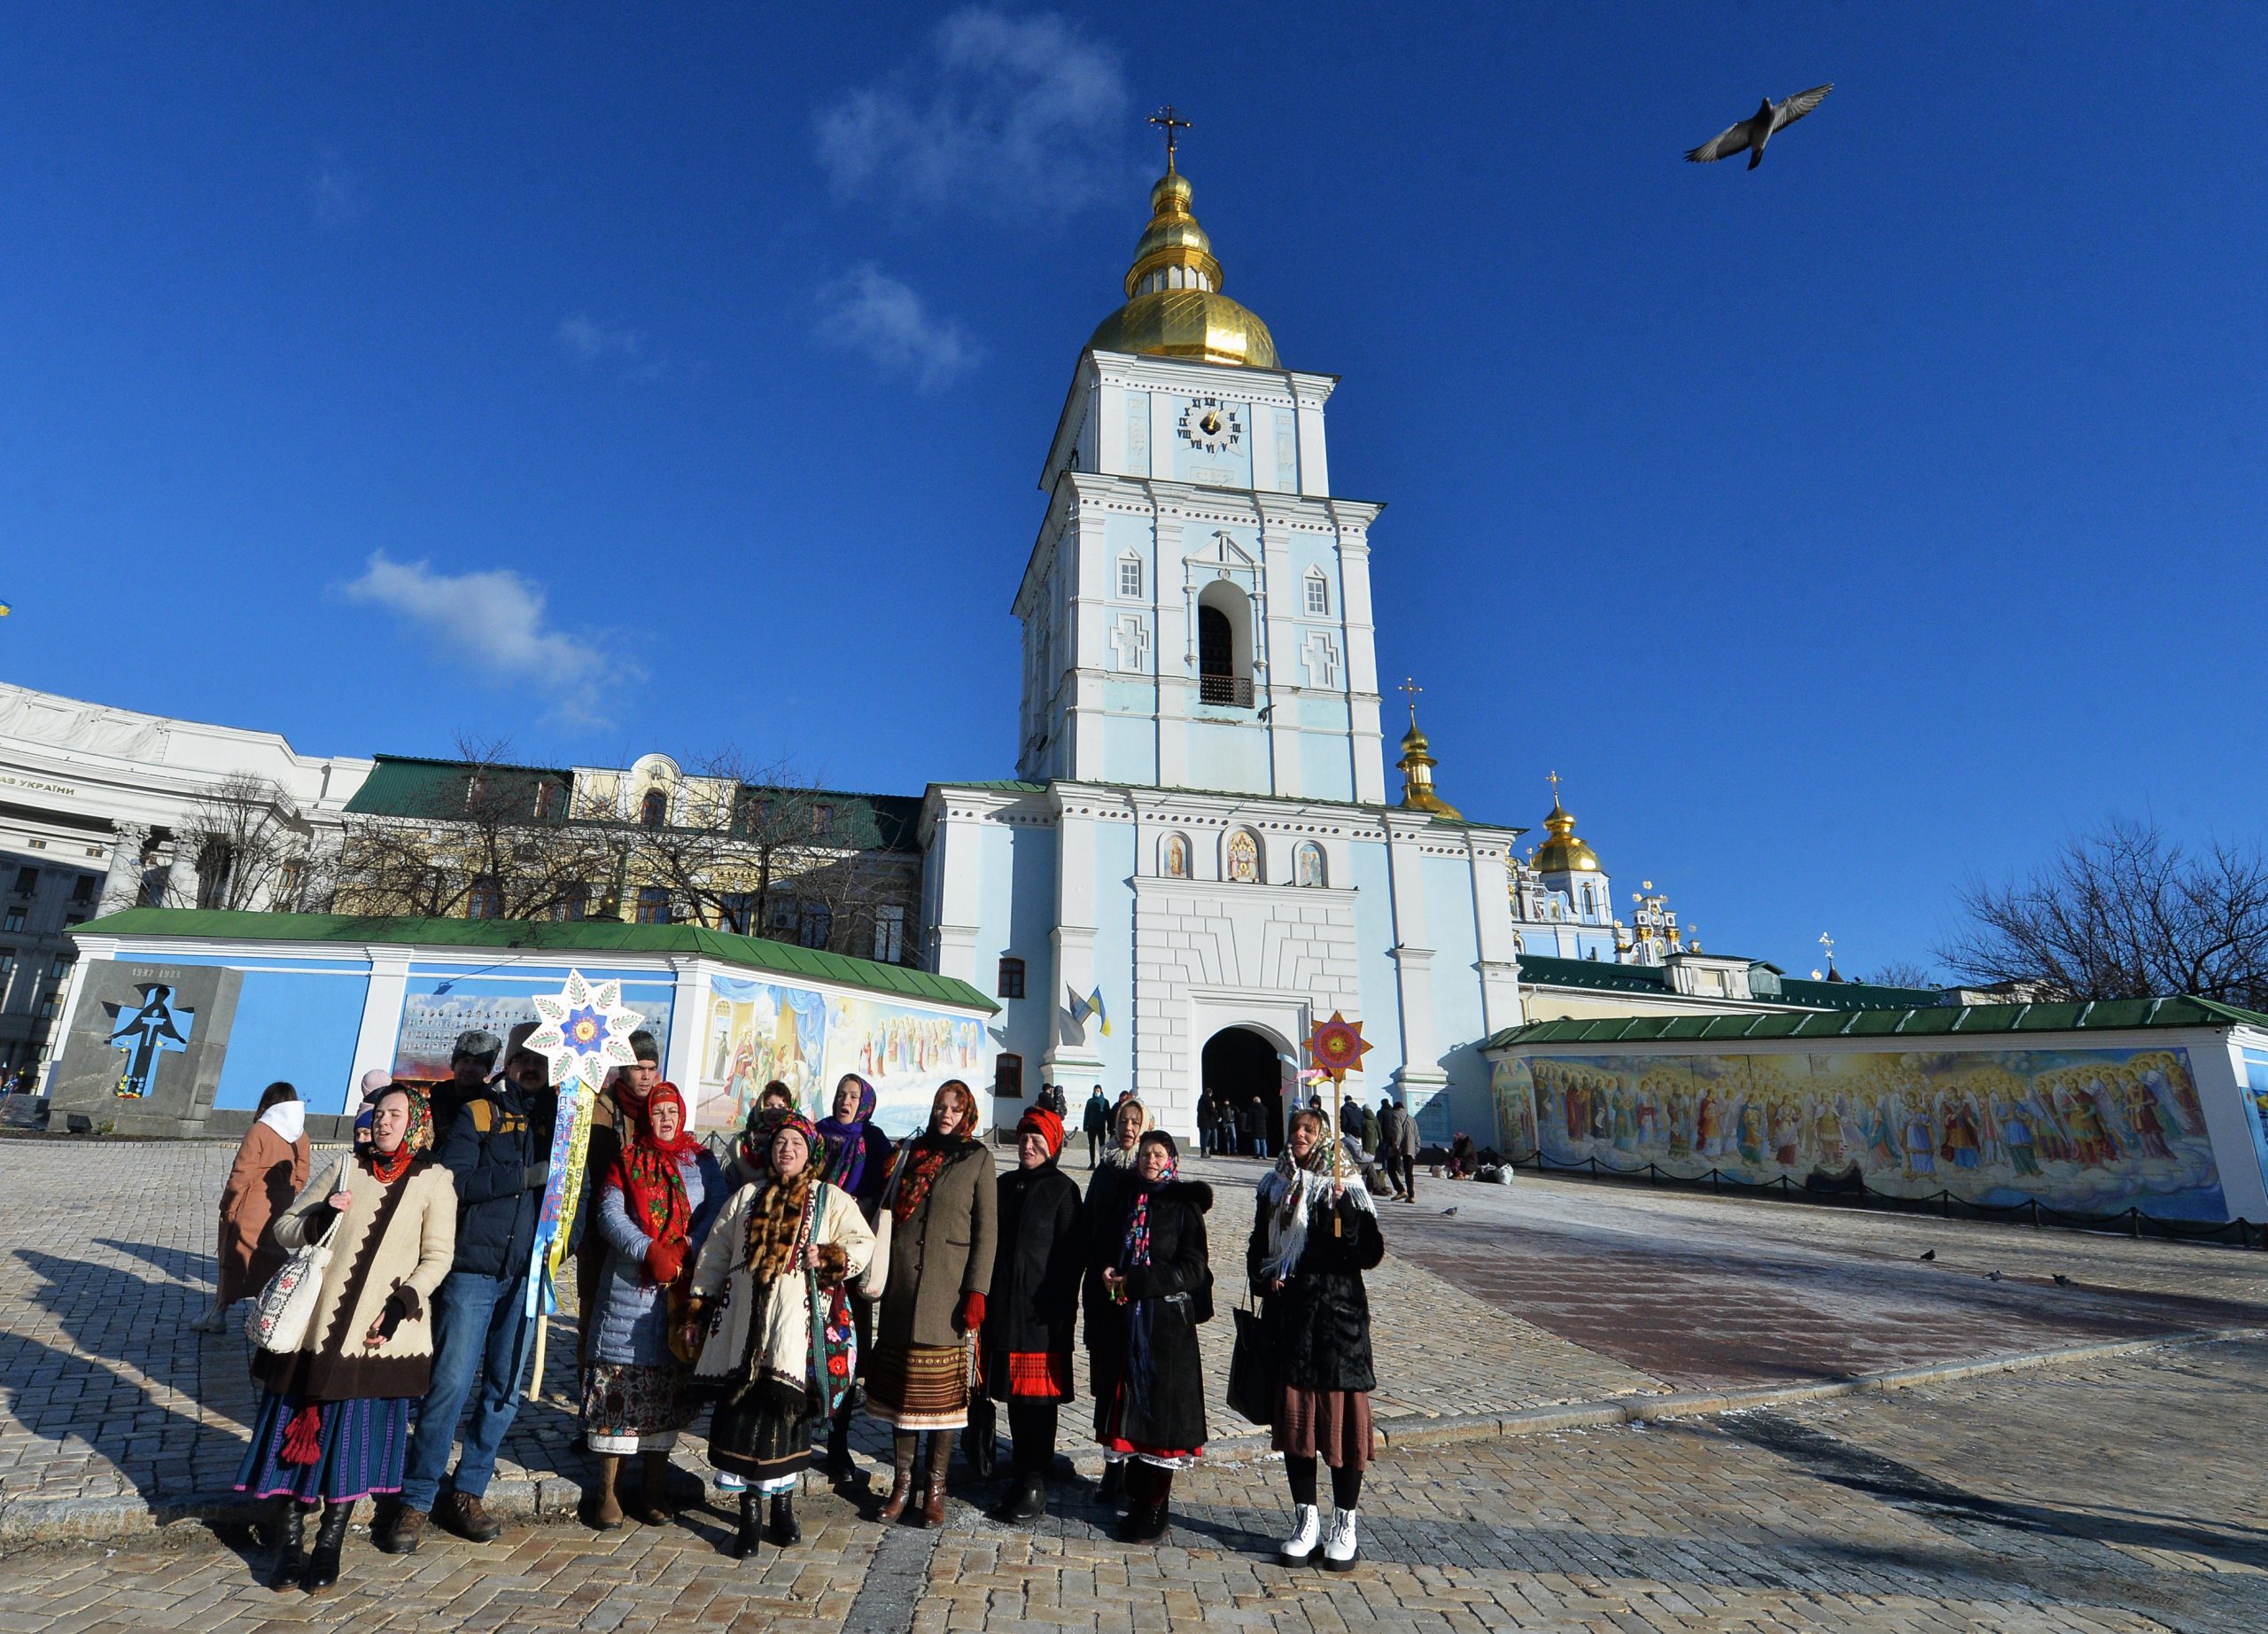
1174,307
1562,852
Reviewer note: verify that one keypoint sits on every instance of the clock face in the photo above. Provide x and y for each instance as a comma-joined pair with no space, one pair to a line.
1209,423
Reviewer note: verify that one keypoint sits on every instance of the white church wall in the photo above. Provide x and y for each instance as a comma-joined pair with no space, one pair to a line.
1378,1009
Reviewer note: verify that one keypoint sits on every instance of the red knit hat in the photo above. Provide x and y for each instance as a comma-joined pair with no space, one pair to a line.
1045,1125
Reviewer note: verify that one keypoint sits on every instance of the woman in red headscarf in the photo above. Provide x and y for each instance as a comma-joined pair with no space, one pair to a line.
654,1210
1025,1350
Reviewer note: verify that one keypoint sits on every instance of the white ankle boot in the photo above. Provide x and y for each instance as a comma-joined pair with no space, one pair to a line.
1340,1554
1307,1528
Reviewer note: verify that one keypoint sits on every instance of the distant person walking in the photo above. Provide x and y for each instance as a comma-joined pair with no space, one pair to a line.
1398,1148
1096,1120
271,1166
333,1421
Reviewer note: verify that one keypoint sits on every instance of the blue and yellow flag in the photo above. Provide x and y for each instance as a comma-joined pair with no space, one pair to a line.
5,609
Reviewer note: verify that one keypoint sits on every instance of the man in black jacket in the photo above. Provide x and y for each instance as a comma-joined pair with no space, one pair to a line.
499,1151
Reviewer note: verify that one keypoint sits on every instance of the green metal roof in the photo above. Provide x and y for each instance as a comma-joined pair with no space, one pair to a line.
1918,1022
596,936
1548,971
410,786
406,786
1857,996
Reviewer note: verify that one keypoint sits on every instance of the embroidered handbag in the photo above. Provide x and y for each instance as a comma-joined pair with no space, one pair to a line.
278,1319
834,1336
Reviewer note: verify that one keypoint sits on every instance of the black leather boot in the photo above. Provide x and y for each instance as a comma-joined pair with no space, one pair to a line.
290,1528
331,1537
838,1465
783,1529
1112,1493
744,1542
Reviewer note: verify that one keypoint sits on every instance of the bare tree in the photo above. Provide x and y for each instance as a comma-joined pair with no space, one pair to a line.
761,849
488,840
2125,913
251,847
1902,973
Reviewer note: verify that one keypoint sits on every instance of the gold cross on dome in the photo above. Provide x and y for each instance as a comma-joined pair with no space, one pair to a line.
1553,779
1170,122
1410,689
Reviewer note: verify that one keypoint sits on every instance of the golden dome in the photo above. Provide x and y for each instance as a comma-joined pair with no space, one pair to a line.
1416,768
1174,307
1562,852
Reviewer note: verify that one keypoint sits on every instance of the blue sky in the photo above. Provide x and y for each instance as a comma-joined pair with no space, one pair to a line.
674,378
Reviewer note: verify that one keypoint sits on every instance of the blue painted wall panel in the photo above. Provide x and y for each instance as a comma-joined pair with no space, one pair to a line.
298,1027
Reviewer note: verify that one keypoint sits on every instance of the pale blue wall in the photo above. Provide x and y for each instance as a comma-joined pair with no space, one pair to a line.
1130,744
1381,1011
299,1026
1115,845
1018,917
1227,756
1450,923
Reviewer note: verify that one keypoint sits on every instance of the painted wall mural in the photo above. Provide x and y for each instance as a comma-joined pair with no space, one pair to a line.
758,1032
436,1009
2087,1132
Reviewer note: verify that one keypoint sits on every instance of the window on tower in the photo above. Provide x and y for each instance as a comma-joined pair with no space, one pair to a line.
1225,647
1318,595
1129,578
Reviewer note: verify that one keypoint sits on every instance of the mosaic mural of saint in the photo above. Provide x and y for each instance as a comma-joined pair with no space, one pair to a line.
1244,859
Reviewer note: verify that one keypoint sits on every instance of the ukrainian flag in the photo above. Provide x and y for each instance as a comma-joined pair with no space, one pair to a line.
5,609
1095,1000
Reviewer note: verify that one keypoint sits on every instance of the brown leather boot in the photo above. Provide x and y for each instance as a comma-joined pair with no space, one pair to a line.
653,1502
933,1493
901,1480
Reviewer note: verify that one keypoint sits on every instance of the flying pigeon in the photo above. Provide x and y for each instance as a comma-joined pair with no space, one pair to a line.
1758,129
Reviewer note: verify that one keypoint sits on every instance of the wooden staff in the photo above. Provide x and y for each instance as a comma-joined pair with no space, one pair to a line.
1338,1143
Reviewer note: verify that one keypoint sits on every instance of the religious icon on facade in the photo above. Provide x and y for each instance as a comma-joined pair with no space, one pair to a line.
1307,863
1244,858
143,1036
1176,863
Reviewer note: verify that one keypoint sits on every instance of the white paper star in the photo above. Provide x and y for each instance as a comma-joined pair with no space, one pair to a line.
585,1030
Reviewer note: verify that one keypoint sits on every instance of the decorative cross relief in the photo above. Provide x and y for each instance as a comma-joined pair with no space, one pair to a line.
1320,654
1131,641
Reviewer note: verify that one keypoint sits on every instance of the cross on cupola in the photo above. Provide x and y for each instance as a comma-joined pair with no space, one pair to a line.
1170,122
1410,688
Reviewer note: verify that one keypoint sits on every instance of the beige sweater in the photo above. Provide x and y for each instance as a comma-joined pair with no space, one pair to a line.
392,1240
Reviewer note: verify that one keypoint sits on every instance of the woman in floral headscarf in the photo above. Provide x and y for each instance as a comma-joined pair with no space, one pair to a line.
777,1345
654,1210
857,1161
1148,1378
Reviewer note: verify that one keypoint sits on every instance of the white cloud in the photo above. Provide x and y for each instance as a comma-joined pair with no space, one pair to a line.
592,342
869,312
1017,116
495,621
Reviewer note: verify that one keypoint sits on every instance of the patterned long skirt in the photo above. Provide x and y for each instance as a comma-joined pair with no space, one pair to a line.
627,1408
918,1387
360,1448
765,1437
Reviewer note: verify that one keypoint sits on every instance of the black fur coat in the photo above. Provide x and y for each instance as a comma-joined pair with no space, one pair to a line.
1149,1379
1318,1325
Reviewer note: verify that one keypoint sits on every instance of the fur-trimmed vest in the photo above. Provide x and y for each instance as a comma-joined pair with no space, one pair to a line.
738,1311
392,1240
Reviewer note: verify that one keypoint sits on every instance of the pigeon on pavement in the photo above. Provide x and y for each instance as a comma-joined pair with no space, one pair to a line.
1449,1211
1752,133
2062,1281
1991,1276
1926,1254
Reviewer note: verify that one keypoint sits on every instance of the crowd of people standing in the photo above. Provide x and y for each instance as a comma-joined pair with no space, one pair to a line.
820,1262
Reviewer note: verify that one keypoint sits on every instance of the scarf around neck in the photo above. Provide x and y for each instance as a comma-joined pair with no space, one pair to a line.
1288,1191
650,1173
1135,1250
846,1142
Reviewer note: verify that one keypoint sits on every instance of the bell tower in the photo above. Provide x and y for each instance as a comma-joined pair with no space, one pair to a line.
1196,610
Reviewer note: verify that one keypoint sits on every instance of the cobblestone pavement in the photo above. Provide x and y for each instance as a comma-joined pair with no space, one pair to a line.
108,1397
1705,1292
2125,1496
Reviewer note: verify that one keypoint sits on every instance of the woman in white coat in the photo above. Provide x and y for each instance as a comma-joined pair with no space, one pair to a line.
770,1315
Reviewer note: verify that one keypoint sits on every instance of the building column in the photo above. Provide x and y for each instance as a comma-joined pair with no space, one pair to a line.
375,1040
688,1029
181,877
122,882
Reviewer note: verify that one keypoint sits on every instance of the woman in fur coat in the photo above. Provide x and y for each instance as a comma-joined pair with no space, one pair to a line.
333,1421
1313,1236
1148,1377
777,1345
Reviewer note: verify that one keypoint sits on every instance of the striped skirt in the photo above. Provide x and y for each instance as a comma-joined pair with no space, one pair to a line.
361,1445
918,1387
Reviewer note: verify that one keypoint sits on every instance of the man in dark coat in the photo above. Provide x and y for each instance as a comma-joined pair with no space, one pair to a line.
498,1152
1097,1123
1398,1148
1030,1314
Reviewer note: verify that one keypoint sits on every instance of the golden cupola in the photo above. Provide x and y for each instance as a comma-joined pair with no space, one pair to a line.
1416,768
1174,306
1562,852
